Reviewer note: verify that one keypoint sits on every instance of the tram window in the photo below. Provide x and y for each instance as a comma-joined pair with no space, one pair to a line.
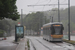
47,31
63,28
57,30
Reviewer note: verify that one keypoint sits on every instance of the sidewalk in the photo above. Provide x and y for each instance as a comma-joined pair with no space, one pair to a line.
21,45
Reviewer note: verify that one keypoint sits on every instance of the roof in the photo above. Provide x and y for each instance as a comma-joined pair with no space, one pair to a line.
52,23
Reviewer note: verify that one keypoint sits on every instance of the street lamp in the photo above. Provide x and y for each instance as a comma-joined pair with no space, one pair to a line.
69,19
58,12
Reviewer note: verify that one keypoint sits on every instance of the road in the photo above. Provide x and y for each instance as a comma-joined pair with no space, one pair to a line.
39,44
8,44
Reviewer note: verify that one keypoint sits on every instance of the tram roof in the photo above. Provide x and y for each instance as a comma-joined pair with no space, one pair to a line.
52,23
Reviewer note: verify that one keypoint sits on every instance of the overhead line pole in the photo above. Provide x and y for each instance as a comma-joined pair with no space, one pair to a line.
21,16
68,19
58,12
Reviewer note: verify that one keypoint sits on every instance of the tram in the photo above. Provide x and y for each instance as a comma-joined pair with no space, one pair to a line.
53,31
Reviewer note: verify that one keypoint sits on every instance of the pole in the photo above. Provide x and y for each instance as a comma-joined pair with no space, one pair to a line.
43,20
58,12
52,18
21,16
39,26
30,29
69,19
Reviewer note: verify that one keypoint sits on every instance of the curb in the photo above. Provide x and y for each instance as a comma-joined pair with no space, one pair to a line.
26,47
20,44
17,46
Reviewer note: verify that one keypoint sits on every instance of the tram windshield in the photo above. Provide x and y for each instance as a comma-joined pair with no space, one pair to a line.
57,30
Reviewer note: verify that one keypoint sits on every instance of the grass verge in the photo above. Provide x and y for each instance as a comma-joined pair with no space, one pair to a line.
28,44
71,42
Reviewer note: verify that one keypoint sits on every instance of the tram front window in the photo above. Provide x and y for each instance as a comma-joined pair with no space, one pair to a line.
57,30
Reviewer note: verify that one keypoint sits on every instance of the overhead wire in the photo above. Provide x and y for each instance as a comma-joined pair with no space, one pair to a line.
36,4
63,1
43,6
47,3
54,2
43,1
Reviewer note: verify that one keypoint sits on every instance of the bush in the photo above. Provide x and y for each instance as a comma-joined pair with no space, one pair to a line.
28,45
1,33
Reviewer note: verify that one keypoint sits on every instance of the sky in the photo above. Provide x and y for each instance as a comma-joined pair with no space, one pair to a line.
23,4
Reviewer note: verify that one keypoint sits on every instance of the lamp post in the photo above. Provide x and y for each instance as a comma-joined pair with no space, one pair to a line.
58,12
68,19
21,16
52,18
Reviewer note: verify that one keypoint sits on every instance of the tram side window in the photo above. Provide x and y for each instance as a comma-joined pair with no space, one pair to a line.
52,30
47,31
43,30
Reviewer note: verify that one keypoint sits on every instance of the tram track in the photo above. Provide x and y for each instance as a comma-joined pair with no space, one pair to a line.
63,44
40,43
43,44
32,44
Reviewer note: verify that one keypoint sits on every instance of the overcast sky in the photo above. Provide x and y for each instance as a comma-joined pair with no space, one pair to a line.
22,4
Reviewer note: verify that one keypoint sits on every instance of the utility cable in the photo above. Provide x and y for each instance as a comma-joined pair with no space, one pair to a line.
47,3
63,1
37,2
